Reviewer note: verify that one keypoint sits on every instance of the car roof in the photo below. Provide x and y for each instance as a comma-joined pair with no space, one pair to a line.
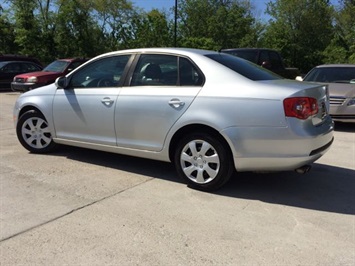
71,59
247,49
182,51
17,61
15,57
335,65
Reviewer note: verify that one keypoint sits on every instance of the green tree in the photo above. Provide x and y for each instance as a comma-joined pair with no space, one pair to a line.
217,23
151,30
342,47
115,19
27,31
300,29
77,34
46,20
7,30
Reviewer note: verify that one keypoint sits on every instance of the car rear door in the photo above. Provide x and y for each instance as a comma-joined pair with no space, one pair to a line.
162,87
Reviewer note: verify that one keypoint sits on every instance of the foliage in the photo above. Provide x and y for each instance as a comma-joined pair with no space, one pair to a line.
76,32
152,30
342,46
114,19
26,26
222,23
306,32
7,33
300,29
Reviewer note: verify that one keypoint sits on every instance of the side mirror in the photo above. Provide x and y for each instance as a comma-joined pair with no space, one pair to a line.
61,82
299,78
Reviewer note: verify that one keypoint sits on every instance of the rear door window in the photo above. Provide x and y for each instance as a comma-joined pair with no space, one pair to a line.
165,70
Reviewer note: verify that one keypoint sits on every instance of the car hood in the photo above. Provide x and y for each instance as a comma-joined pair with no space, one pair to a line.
341,90
39,74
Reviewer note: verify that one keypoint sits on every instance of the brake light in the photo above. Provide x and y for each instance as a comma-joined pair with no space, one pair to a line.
300,107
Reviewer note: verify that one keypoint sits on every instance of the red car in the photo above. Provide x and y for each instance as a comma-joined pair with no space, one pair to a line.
48,75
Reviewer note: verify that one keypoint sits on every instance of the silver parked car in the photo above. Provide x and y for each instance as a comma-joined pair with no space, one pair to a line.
209,113
340,79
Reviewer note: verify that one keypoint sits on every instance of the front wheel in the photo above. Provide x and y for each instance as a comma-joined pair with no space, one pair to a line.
33,133
203,161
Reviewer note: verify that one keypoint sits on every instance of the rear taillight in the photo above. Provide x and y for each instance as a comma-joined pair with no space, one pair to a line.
300,107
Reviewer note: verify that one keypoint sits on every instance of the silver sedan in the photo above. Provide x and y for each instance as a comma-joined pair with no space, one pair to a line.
211,114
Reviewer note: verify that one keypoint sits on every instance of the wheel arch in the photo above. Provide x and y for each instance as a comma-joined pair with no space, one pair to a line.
27,108
35,136
195,128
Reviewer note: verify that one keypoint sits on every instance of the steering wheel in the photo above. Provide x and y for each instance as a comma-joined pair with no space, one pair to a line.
105,82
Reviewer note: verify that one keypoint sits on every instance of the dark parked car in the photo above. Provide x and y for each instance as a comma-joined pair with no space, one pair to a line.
340,79
9,69
60,67
15,57
267,58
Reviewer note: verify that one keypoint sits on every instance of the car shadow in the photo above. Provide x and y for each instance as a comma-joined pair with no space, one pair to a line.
344,127
324,188
141,166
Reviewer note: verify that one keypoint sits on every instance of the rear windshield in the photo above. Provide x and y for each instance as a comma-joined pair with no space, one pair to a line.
243,67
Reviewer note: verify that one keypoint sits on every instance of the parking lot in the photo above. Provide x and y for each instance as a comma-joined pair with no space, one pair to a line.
83,207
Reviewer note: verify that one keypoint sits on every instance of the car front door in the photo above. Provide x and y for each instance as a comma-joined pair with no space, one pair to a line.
162,87
84,111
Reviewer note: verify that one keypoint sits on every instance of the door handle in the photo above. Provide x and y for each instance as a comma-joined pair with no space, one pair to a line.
107,101
176,103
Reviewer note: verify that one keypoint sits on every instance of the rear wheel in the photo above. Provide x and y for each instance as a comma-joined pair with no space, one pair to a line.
203,161
33,132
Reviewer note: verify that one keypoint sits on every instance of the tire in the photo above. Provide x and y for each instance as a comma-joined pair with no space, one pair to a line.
33,133
203,161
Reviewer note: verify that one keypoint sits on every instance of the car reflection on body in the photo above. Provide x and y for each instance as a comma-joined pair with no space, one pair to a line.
207,112
340,79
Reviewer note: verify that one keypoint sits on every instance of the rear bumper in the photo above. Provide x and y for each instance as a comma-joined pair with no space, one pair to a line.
279,149
323,149
280,163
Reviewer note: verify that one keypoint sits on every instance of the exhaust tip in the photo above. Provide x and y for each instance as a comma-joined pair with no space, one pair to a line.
303,169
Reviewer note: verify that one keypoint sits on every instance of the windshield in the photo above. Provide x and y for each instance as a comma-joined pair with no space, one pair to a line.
331,74
56,66
243,67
